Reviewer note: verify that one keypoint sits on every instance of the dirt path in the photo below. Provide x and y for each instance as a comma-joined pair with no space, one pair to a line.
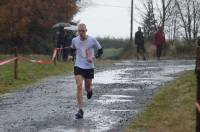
120,93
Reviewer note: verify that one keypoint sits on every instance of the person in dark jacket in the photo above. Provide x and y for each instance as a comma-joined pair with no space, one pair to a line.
139,42
69,35
60,42
159,41
60,37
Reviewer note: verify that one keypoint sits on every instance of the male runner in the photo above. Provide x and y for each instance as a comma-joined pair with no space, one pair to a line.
84,64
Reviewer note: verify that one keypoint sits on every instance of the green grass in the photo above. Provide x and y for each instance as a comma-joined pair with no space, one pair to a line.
112,53
172,108
29,73
170,51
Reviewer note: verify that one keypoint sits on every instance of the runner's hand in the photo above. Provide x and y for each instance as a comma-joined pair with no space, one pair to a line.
70,57
90,60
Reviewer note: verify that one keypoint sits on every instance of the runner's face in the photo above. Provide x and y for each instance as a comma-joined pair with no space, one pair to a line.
82,33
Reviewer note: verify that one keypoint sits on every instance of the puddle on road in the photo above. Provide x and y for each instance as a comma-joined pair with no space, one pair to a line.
127,89
108,99
57,129
176,69
117,96
135,111
111,76
150,74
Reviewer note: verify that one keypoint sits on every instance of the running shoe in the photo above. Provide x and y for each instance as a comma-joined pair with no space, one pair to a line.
79,115
89,94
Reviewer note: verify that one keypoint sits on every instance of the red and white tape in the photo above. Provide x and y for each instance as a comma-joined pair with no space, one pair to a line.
56,50
7,61
42,61
36,61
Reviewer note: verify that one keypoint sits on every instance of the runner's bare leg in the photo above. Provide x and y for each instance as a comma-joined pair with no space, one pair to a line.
88,84
79,95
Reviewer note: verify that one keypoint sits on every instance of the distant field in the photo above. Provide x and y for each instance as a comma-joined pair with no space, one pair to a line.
112,53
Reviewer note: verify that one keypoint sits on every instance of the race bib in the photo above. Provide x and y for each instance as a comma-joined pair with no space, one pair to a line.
85,53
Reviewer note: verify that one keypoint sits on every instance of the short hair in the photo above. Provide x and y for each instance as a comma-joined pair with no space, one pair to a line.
82,26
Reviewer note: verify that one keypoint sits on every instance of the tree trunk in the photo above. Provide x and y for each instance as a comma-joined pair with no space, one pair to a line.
183,20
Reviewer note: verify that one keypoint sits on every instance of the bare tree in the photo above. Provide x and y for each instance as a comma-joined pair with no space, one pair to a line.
180,18
196,18
165,10
171,23
189,12
149,21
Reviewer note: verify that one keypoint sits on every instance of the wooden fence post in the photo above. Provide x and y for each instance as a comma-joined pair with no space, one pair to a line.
16,65
197,69
55,60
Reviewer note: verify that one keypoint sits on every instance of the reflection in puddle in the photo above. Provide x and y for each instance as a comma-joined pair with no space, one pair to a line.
128,89
108,99
124,111
117,96
81,130
176,69
68,130
111,76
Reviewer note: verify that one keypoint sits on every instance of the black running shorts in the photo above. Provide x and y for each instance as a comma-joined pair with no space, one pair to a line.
86,73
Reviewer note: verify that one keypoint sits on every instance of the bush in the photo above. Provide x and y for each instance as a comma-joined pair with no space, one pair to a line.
113,42
182,49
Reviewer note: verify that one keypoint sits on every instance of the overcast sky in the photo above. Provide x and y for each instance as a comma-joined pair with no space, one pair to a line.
109,18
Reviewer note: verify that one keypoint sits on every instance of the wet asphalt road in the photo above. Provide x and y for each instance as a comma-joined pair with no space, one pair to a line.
120,92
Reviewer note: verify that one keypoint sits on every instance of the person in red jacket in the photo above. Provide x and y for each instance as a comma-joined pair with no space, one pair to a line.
159,41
